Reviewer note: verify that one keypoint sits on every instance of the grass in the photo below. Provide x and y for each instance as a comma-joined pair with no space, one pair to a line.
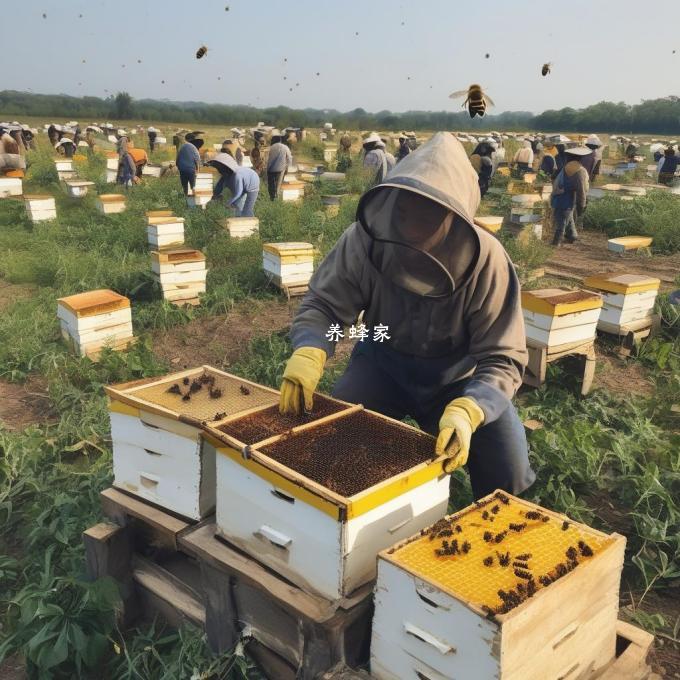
609,460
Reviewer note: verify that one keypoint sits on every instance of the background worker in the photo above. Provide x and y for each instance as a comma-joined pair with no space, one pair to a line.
375,160
257,157
415,262
152,133
593,142
243,183
404,149
523,159
280,158
569,195
389,157
233,148
667,166
482,162
66,147
139,158
188,161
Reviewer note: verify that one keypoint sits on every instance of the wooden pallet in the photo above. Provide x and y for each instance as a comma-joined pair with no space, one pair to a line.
182,571
540,357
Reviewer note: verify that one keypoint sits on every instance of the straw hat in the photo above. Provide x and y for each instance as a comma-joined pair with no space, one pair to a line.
372,138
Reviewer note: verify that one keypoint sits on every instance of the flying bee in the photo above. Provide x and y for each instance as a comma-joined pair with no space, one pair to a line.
476,100
201,52
546,68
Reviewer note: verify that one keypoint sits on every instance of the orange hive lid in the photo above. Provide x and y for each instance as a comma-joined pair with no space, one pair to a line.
94,302
112,198
178,255
37,197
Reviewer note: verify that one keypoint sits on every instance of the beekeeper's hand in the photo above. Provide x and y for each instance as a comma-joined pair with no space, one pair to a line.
459,421
303,372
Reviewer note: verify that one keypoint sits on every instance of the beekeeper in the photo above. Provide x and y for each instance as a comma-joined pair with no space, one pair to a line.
244,184
278,162
375,160
454,351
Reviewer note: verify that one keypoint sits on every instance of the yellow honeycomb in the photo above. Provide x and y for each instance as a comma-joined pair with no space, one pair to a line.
501,544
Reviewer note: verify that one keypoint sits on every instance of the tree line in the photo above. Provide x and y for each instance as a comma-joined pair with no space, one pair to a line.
651,116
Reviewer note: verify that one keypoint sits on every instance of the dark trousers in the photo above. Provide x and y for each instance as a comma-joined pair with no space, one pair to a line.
564,224
498,451
274,180
187,179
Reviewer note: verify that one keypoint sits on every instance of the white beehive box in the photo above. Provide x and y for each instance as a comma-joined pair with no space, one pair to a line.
290,263
150,170
444,612
158,452
161,140
246,162
111,161
77,188
95,319
318,501
626,243
560,316
627,299
110,204
11,186
526,200
242,227
111,176
165,232
181,273
40,208
204,182
330,154
292,191
491,223
199,198
64,164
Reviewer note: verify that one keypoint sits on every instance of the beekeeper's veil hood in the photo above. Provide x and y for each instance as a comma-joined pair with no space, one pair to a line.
420,219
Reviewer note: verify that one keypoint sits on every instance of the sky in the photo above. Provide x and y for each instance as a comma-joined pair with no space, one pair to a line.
374,54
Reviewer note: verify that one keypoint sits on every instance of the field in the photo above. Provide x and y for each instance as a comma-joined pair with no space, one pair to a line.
611,459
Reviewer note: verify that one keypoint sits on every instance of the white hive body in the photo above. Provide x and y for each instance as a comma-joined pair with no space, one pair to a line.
77,188
165,232
150,170
110,204
290,263
559,316
181,273
11,186
242,227
199,198
40,208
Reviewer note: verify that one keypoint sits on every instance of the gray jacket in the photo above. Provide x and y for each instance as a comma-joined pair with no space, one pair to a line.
454,314
279,158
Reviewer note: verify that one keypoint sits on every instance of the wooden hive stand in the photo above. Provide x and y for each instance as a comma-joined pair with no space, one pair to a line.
540,357
180,570
631,334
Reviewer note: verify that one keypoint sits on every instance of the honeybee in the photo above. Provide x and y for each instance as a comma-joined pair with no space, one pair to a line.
476,100
201,52
546,68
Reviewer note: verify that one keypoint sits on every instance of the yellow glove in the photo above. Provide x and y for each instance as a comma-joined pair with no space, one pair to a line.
303,372
460,420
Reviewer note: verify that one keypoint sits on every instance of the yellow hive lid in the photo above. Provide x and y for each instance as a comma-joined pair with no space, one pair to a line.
111,154
177,255
611,187
293,185
500,543
94,302
491,223
632,242
289,248
203,192
559,301
622,283
159,213
79,183
165,220
37,197
111,198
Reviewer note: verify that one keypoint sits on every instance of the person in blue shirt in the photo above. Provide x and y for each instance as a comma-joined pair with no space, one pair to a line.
188,162
667,166
243,183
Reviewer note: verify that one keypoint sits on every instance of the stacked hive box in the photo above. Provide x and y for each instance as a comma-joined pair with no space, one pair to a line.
204,182
626,243
560,316
181,273
316,497
40,207
10,186
94,320
165,231
242,227
503,589
289,264
156,425
110,204
491,223
150,170
65,168
199,198
628,300
292,191
77,188
111,167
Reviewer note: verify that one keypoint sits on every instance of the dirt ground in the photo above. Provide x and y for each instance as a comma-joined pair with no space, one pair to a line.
12,669
220,340
24,404
589,255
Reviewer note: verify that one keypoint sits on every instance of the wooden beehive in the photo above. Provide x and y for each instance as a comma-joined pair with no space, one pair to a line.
204,182
292,191
199,198
181,273
40,207
319,501
95,319
158,452
159,213
288,263
165,232
559,316
77,188
626,243
491,223
10,186
242,227
151,170
503,589
63,164
627,299
526,200
110,204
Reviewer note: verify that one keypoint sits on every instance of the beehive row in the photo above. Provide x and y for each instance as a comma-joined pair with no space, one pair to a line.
94,320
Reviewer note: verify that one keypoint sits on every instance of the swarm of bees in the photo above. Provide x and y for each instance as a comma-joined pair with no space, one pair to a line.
545,69
476,100
201,52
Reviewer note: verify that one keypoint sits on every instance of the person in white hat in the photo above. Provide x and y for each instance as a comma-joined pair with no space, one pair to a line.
152,134
278,161
592,164
375,160
569,195
404,149
523,159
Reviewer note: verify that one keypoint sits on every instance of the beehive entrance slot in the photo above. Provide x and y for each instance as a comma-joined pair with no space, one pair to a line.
283,496
570,672
428,638
153,453
571,630
427,601
148,481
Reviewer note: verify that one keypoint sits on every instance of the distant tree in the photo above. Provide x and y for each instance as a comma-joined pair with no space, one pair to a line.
122,106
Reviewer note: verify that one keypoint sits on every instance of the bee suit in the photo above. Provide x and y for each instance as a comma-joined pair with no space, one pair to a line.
414,261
